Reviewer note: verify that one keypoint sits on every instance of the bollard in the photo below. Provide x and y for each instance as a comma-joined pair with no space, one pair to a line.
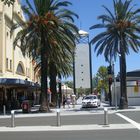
4,110
58,117
12,118
105,116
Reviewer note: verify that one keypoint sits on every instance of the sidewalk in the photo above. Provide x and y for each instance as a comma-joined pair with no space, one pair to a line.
77,110
66,128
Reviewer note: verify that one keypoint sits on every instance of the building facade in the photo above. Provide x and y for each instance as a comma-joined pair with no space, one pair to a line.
82,66
133,89
17,76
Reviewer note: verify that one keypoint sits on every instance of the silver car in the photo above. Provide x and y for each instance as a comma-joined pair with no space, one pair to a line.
90,101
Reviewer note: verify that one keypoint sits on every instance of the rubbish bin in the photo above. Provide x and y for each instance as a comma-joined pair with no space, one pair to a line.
26,107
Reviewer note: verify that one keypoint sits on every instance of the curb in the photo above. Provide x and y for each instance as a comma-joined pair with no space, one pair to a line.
66,128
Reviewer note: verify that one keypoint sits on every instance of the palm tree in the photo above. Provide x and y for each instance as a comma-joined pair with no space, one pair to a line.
121,34
48,32
59,69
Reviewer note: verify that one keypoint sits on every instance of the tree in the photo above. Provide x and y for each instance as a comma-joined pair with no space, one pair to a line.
57,70
102,75
95,82
49,26
121,34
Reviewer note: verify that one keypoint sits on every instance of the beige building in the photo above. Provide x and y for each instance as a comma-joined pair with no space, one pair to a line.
17,77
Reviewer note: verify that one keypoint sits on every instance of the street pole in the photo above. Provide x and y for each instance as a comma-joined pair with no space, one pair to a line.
105,116
115,95
12,118
4,109
74,89
90,65
59,92
58,117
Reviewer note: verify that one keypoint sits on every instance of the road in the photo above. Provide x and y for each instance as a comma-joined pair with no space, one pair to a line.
77,119
130,134
65,120
74,126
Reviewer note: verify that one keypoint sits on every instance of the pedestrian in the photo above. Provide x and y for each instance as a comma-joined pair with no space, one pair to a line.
68,100
64,101
73,99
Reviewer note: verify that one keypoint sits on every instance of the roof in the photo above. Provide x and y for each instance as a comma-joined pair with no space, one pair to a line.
133,75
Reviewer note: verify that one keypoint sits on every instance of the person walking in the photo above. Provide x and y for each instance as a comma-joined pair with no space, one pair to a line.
68,100
73,99
64,101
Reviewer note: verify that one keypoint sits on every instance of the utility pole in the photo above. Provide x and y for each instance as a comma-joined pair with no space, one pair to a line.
74,89
109,69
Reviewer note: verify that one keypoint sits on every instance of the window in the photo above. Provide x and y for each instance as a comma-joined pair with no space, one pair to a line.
20,69
10,64
6,63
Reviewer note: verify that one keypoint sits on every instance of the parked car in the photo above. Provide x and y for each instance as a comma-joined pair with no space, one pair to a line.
90,101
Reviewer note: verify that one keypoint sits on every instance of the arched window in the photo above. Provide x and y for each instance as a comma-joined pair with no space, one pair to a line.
20,69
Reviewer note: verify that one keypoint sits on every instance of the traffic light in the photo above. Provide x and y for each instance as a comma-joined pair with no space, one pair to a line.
109,69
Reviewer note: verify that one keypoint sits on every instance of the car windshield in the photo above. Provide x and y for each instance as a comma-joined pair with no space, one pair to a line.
90,97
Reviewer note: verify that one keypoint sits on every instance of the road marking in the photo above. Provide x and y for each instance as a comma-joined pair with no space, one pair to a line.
137,125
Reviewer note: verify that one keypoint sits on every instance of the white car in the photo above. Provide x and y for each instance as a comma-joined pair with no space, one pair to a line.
90,101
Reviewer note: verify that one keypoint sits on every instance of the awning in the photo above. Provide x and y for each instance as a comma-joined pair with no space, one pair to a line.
18,82
133,75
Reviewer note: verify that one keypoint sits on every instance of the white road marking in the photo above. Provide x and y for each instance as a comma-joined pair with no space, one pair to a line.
137,125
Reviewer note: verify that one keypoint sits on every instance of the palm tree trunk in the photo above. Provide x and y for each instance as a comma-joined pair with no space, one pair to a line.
44,107
123,88
53,84
60,91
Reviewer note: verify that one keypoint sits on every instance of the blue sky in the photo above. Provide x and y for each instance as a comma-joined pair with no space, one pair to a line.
88,11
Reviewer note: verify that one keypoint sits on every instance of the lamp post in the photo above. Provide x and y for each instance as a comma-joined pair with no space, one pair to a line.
90,65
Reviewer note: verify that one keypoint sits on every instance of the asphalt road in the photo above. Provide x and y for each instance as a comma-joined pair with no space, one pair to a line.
65,120
130,134
134,115
112,134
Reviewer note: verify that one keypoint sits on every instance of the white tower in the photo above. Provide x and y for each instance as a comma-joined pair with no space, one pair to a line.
83,76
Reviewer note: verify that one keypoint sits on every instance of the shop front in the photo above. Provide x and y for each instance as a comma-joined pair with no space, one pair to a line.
14,91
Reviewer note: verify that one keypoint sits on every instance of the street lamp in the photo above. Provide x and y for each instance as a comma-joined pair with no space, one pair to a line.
90,66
